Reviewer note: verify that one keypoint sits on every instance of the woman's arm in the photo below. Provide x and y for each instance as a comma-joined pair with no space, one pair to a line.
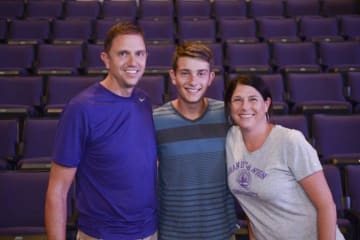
319,193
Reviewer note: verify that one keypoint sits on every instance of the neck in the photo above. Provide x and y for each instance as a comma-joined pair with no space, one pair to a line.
190,111
255,138
113,86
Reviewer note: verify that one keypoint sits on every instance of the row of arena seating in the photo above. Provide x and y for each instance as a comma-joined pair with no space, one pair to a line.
228,58
132,9
240,30
28,144
23,197
294,93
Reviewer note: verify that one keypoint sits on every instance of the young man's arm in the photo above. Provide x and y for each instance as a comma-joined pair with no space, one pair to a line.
60,181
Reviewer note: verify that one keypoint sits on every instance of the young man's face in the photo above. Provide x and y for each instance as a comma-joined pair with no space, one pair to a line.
126,59
191,78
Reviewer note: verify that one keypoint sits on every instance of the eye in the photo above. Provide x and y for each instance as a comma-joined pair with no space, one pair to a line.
123,53
236,100
253,99
184,73
202,73
141,53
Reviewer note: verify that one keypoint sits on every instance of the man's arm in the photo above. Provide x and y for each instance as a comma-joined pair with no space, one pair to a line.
60,181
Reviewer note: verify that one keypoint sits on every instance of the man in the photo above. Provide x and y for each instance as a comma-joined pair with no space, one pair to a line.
106,139
194,200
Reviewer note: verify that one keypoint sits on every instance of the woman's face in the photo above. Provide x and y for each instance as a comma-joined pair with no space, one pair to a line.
248,108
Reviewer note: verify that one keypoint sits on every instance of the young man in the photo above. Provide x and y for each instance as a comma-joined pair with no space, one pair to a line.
98,142
194,200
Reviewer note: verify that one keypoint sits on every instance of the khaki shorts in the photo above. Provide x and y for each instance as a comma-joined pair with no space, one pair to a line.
83,236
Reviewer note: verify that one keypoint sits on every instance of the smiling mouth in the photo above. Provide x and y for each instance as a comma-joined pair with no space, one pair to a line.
132,71
192,90
246,116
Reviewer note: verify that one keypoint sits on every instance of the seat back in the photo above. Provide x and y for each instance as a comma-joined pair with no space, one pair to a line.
155,88
336,135
68,60
124,10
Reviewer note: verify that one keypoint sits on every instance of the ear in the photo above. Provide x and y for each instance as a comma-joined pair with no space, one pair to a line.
267,104
172,75
105,58
211,78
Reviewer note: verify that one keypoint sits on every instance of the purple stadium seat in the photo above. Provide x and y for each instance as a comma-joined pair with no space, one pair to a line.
200,30
20,96
93,64
296,8
156,10
16,60
155,88
251,57
295,57
60,89
333,178
242,30
229,9
318,29
12,9
158,31
350,27
265,8
307,93
71,31
31,31
9,138
275,29
82,9
352,176
37,143
336,7
335,138
23,201
120,10
46,9
276,85
68,60
193,9
354,89
340,56
297,122
159,58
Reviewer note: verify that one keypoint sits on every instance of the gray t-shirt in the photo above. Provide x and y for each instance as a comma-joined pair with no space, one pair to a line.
265,182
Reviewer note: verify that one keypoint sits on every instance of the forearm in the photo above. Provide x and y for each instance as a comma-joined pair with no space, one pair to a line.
55,217
326,222
251,233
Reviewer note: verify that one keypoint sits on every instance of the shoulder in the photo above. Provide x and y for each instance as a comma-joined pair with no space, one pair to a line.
163,110
81,102
289,135
215,105
293,140
233,134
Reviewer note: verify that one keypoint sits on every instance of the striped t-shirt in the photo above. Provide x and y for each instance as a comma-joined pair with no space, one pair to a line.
194,200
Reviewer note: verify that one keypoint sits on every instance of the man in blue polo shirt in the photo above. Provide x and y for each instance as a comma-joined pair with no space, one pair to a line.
106,140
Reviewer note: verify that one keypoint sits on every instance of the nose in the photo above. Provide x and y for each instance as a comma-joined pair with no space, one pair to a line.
244,104
131,60
192,78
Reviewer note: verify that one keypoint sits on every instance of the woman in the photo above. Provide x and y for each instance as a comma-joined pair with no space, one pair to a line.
273,171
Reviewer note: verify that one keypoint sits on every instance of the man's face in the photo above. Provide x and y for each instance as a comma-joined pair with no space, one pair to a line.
126,59
191,78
